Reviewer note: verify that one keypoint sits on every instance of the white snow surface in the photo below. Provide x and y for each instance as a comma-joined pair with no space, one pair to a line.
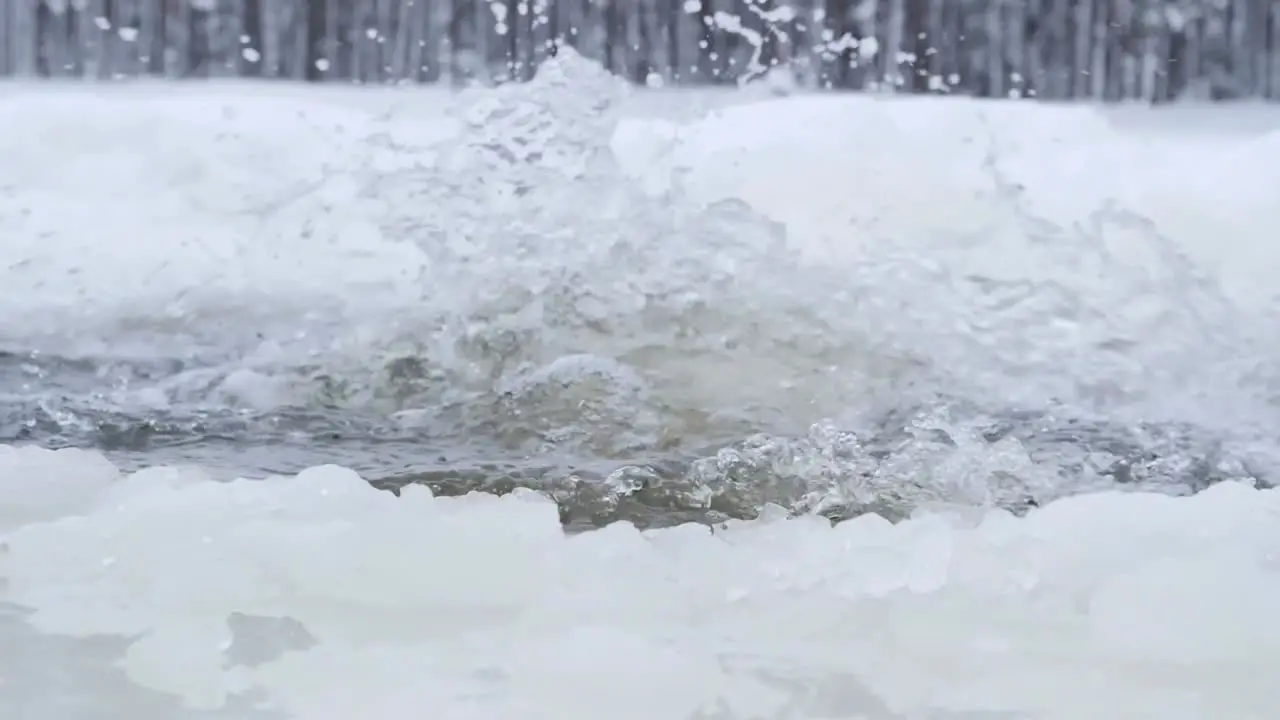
316,597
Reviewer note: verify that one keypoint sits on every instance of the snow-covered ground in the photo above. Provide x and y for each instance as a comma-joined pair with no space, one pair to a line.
267,224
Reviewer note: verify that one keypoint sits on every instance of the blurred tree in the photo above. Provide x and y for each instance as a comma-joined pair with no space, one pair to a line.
1147,50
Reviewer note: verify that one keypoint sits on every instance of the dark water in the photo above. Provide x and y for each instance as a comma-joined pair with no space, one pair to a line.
887,463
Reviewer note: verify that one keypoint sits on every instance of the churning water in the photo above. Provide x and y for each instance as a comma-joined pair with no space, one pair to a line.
912,409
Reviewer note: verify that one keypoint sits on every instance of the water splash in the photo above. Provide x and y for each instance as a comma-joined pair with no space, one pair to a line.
556,324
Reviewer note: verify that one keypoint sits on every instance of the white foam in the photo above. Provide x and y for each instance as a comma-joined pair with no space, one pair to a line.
844,172
1107,606
201,201
240,217
1152,224
169,206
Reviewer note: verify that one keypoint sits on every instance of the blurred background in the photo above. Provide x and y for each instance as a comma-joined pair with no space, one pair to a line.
1115,50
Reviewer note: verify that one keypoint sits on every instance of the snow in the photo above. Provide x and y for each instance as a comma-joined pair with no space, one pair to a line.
318,597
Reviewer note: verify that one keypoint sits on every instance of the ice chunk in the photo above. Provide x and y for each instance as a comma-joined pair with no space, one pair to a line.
1109,605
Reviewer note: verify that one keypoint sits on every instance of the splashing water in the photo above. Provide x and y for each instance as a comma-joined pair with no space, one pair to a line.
1001,379
555,324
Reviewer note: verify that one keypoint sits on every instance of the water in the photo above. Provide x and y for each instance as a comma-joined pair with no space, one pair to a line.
874,384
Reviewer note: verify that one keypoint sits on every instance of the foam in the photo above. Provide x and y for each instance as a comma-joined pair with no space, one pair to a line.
282,184
1157,232
1108,605
845,172
259,223
198,205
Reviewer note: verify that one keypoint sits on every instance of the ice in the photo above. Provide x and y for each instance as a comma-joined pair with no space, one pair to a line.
59,493
326,598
